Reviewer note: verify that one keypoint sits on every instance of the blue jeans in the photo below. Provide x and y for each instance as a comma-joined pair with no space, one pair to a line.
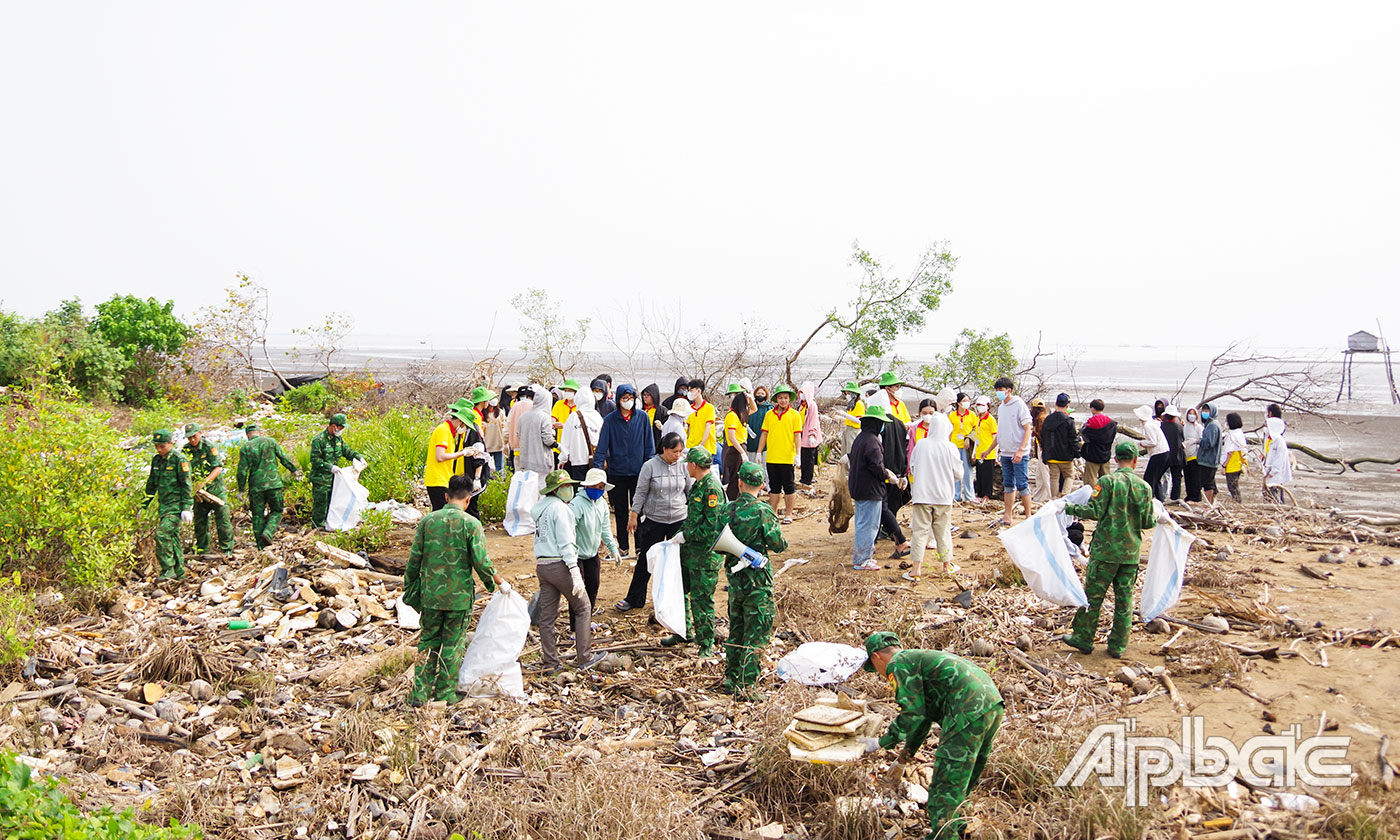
1015,477
963,490
499,458
867,526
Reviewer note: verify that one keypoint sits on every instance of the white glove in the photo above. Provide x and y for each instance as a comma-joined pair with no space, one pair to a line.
1159,511
869,744
187,516
505,588
1080,496
891,477
359,464
679,538
580,591
476,485
743,455
657,424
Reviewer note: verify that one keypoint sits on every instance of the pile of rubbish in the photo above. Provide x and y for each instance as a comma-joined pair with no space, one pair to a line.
830,732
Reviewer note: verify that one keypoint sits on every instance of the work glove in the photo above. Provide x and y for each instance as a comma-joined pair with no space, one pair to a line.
869,744
1159,512
580,591
743,455
891,477
187,516
679,538
505,588
359,464
657,424
476,486
1080,496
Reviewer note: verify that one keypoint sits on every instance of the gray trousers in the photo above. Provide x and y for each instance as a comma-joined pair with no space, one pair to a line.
554,583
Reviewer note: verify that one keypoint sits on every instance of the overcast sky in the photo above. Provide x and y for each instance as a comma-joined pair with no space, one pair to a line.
1109,173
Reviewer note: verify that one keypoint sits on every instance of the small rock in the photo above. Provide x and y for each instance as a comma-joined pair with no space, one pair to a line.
1216,623
964,599
968,535
1361,563
235,696
1141,686
1336,549
1386,561
1158,625
1126,675
982,647
93,712
201,690
325,619
1269,716
160,727
1023,642
48,714
1018,688
288,741
169,710
977,556
1273,531
1222,555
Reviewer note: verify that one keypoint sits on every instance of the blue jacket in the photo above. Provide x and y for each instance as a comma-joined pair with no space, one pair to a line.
1208,451
624,445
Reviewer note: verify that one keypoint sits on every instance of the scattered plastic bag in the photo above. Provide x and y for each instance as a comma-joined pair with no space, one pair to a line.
523,493
1166,569
408,617
1038,547
667,590
821,663
491,667
398,511
349,499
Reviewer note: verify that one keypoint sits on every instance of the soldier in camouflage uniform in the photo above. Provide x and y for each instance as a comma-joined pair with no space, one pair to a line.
750,590
257,471
705,514
327,449
1122,505
447,548
207,468
932,686
169,482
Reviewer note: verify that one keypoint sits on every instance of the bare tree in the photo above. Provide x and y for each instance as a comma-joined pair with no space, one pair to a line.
553,340
232,335
325,338
716,355
1252,377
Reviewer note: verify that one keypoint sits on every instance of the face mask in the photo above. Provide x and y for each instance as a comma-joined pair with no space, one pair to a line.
963,405
337,432
761,397
566,494
1003,395
694,396
1205,415
593,493
568,395
925,419
627,403
597,395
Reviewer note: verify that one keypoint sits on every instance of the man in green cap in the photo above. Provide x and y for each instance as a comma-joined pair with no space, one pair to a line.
705,515
169,482
568,395
448,547
207,470
932,686
257,473
754,524
1122,505
781,439
891,383
850,414
327,450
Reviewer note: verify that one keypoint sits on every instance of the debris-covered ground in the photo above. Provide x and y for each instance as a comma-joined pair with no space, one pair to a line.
295,726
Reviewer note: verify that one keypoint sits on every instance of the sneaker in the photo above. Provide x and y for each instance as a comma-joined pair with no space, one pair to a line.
1069,640
591,661
623,606
910,578
673,640
868,566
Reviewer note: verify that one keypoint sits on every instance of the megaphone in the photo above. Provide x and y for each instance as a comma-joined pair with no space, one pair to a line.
729,544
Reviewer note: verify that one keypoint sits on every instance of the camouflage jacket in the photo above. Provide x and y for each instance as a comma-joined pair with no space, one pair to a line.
1122,505
257,464
448,547
756,525
326,452
705,516
932,686
169,482
204,459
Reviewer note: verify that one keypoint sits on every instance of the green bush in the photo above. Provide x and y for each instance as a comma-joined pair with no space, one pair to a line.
395,445
308,399
70,496
372,534
38,810
160,414
16,626
492,502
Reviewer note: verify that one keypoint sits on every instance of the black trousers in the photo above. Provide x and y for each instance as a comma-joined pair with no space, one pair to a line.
620,497
437,497
1156,468
577,473
648,534
1176,471
809,463
889,524
984,478
1193,482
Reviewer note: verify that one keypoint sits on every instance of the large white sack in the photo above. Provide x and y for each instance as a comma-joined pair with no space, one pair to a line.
1038,548
667,589
491,667
821,663
523,493
348,499
1166,569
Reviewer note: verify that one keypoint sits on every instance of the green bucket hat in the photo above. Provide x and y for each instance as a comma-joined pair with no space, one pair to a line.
734,388
161,436
555,480
751,474
339,419
481,394
850,388
888,379
569,385
878,641
699,457
784,389
1126,450
192,429
879,413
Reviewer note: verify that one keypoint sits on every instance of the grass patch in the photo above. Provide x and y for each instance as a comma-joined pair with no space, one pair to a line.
39,809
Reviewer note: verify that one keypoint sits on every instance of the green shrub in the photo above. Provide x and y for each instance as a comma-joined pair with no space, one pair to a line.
492,502
395,446
16,626
308,399
38,810
160,414
372,534
70,496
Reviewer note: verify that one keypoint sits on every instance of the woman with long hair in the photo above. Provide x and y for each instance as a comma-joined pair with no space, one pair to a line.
736,437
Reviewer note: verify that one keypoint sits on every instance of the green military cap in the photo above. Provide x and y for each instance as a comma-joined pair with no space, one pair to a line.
751,474
191,429
339,420
735,388
481,394
784,389
1126,450
850,388
698,456
249,427
879,413
569,385
161,436
555,480
878,641
888,379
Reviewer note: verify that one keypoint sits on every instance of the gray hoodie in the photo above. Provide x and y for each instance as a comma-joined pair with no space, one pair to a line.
537,439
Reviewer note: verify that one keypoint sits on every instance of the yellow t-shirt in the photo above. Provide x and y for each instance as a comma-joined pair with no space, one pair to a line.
1234,462
739,427
899,411
560,412
985,439
919,432
857,411
782,429
963,425
651,414
435,472
700,428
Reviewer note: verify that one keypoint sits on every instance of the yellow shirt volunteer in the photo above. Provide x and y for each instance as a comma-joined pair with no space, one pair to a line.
700,427
964,424
899,410
985,439
435,472
732,423
858,411
560,413
1234,462
782,427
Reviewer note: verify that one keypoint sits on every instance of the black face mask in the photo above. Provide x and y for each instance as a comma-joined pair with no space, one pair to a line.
760,398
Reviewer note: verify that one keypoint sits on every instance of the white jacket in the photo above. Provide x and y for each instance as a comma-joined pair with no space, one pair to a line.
1278,464
934,465
1154,441
573,446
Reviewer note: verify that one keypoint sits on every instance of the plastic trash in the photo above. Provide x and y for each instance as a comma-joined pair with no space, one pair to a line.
1166,569
491,667
1039,548
667,590
821,663
408,617
348,499
523,493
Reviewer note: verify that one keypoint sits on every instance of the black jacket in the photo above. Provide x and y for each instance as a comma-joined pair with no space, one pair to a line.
867,462
1098,440
680,394
1058,441
1176,454
661,412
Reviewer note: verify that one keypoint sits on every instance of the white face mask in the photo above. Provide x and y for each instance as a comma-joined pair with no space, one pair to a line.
963,405
925,419
568,395
336,432
627,403
597,395
694,396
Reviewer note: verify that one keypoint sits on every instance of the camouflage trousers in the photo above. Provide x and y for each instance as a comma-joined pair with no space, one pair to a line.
963,747
750,627
700,583
266,508
1097,579
223,523
442,639
320,503
168,552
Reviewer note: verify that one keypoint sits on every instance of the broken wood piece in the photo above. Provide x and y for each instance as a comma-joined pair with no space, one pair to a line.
1170,685
609,747
1309,571
1387,769
1246,692
341,556
1194,625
